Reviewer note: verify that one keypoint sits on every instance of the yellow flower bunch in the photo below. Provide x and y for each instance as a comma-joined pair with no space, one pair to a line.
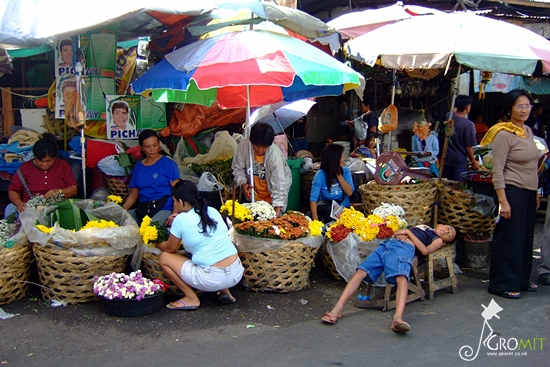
392,222
242,214
316,228
102,223
44,228
114,199
148,232
367,232
351,218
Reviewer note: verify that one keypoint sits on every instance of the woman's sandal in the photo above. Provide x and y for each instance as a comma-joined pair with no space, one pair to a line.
330,319
400,326
531,288
503,294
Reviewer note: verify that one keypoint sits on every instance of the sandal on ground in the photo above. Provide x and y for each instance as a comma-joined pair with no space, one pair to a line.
330,319
400,326
503,294
182,306
532,287
227,299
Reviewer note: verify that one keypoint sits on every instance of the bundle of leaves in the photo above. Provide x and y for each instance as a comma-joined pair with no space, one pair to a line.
162,232
221,168
287,227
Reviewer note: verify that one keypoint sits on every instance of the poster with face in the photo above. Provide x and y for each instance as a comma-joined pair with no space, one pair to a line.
68,101
64,57
122,116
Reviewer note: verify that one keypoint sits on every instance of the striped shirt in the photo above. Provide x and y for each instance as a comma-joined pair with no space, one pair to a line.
59,176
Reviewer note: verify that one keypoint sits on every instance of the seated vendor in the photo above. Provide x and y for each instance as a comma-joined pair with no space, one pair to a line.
44,175
426,145
333,181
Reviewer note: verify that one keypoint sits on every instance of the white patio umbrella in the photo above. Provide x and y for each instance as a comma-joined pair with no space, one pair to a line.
357,23
432,41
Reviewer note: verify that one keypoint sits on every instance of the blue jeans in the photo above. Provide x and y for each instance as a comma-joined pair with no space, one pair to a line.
394,257
298,144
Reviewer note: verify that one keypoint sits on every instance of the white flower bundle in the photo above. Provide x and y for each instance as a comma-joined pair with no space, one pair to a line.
261,210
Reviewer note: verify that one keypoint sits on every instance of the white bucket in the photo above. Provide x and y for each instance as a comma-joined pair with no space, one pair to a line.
346,146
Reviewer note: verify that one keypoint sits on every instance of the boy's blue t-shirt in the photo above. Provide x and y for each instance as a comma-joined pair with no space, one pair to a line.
206,249
319,190
154,181
426,235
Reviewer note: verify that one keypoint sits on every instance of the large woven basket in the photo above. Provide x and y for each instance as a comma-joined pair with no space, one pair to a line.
328,263
152,270
14,273
416,199
117,186
66,276
283,270
456,209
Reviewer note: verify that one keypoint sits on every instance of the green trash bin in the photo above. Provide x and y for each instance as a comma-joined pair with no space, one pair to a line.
295,192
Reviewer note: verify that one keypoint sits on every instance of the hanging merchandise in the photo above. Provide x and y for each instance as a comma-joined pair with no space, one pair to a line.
388,119
485,79
422,127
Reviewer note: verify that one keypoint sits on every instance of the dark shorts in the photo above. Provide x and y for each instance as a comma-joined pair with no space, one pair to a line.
393,257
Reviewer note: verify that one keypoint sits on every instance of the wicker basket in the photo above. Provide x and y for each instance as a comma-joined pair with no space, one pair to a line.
66,276
151,269
455,209
417,199
117,186
283,270
328,263
307,179
14,273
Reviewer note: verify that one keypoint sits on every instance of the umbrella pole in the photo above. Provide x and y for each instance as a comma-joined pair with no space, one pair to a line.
80,123
394,83
250,152
449,131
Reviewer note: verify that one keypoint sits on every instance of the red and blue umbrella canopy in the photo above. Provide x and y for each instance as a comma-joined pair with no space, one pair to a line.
274,67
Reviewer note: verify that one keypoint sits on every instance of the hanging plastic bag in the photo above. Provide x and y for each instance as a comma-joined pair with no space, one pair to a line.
388,119
110,166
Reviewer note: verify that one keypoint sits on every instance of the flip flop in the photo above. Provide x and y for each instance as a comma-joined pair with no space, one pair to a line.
531,288
171,306
227,299
330,319
400,326
503,294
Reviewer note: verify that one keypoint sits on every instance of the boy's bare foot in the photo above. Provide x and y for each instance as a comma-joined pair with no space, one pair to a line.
400,326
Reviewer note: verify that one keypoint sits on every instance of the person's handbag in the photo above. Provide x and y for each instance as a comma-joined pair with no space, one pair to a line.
150,208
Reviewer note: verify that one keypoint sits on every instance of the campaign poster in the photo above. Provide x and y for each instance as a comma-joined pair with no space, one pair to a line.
65,52
122,116
92,96
152,115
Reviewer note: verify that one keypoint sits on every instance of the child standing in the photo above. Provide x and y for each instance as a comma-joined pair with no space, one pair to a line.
394,256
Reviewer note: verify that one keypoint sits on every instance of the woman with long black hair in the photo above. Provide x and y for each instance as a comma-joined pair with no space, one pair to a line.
215,265
332,182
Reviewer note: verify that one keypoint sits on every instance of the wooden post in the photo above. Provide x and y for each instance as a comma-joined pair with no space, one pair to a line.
7,111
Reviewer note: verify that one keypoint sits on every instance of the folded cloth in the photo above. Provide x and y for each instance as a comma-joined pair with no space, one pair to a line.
507,126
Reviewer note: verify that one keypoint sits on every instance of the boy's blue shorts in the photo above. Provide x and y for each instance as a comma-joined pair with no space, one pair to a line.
392,256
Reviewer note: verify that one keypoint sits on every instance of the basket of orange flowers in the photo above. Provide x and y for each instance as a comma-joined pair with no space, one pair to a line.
277,253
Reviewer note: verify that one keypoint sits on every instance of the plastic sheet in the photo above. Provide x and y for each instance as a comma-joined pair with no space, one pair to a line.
349,253
255,244
121,240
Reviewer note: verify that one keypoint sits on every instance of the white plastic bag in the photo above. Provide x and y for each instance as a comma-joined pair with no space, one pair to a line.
208,182
110,166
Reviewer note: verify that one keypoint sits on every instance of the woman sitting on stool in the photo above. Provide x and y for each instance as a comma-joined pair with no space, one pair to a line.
332,182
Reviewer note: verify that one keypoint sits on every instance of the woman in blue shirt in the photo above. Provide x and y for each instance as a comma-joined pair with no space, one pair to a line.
152,179
214,265
332,182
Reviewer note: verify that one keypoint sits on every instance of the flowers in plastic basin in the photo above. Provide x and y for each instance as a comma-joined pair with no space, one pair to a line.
102,223
367,228
242,214
260,210
289,226
122,286
147,231
114,199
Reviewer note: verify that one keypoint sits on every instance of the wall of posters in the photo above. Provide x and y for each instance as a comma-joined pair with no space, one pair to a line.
122,116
